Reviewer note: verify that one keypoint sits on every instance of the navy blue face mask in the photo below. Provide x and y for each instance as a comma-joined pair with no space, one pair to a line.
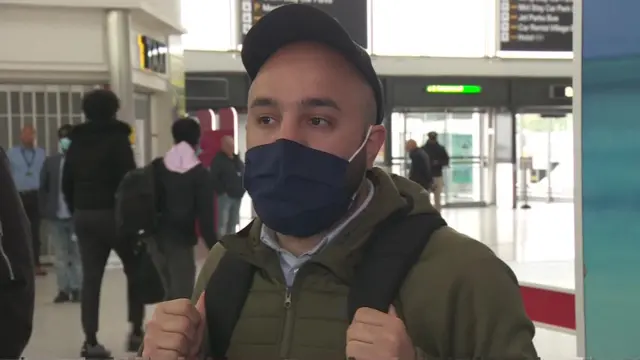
299,191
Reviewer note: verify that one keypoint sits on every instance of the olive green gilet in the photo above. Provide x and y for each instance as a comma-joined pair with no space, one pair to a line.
308,322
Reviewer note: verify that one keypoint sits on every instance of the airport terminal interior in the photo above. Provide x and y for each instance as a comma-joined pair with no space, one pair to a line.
499,81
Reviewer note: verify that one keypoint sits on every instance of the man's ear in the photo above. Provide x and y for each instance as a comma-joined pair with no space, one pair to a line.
374,143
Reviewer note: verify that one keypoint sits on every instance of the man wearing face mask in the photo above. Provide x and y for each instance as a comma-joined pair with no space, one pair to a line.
313,132
60,223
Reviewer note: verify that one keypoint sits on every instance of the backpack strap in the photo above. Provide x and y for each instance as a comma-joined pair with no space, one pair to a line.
394,248
389,255
227,291
157,166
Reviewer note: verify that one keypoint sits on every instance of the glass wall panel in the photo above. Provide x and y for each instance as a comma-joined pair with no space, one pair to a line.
548,141
463,134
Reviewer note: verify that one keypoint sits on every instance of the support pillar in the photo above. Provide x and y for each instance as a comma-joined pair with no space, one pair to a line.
606,108
119,60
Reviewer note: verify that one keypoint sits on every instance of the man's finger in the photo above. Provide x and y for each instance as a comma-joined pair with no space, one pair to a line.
369,316
361,332
360,350
393,312
200,306
196,349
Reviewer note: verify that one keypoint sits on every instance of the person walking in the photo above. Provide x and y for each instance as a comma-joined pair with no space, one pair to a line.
227,170
420,170
17,277
99,156
439,160
26,163
56,212
186,195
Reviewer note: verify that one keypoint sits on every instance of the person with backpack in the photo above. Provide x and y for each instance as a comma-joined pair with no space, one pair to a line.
420,170
17,270
439,160
343,259
98,158
186,195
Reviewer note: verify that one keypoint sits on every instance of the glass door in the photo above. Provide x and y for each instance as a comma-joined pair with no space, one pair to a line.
548,141
464,137
463,134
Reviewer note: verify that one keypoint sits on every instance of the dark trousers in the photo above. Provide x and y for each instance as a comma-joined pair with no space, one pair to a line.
179,267
96,231
31,207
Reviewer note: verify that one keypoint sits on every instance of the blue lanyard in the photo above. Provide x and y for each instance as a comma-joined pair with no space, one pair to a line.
29,163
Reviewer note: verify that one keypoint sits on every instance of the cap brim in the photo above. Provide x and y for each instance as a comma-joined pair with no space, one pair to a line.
294,23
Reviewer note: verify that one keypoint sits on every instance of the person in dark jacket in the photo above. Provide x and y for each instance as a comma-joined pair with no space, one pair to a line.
186,195
420,171
59,222
17,271
227,170
98,158
439,159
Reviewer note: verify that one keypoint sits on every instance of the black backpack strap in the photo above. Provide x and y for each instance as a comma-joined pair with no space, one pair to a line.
225,295
157,166
389,255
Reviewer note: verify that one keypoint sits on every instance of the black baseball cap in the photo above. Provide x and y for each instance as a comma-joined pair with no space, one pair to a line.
292,23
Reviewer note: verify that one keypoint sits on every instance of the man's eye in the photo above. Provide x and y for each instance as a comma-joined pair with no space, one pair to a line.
265,120
318,121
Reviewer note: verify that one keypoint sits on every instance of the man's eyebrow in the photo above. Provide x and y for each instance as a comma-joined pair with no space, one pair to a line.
320,102
308,102
262,102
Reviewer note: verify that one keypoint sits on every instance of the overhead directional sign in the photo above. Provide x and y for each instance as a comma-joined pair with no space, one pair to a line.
152,54
352,14
536,25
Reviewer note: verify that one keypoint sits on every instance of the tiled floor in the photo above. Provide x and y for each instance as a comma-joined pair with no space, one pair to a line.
537,243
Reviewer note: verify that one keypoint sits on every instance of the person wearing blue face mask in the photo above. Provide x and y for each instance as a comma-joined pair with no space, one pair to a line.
344,261
60,224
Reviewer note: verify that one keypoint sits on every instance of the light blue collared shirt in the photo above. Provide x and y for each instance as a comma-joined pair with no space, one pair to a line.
290,263
26,165
63,210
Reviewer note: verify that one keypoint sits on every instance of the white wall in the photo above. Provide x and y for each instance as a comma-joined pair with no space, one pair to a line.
436,28
165,12
204,31
51,39
408,66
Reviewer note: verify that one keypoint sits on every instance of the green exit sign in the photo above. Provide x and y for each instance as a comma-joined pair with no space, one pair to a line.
453,89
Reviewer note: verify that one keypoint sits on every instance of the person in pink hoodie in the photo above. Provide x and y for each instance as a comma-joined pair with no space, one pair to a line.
186,196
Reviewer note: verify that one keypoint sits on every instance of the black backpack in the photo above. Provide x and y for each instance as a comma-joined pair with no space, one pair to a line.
377,279
138,200
137,203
